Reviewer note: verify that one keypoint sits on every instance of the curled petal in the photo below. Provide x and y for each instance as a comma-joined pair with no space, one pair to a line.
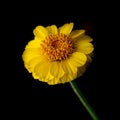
84,46
40,32
56,70
76,33
77,59
66,29
52,29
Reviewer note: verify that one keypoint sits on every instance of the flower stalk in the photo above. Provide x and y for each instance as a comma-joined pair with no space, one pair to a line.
83,100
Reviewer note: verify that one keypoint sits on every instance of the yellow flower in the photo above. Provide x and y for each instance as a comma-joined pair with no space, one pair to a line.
58,55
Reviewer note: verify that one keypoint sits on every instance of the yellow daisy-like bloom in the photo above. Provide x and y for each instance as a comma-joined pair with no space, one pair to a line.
58,55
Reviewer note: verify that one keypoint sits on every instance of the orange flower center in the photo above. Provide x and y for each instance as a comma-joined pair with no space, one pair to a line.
57,47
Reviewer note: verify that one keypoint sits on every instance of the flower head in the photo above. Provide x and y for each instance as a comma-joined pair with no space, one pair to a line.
58,55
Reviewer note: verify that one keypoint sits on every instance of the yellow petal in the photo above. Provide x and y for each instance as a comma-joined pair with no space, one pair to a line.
53,81
42,69
66,28
52,29
84,47
56,70
27,66
34,75
76,33
40,32
85,38
81,70
77,59
65,79
70,72
33,62
89,58
28,54
67,69
33,44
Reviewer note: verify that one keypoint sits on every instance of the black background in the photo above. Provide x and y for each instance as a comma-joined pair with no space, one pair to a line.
26,97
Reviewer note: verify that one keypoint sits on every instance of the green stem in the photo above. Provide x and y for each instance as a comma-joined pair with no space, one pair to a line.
83,100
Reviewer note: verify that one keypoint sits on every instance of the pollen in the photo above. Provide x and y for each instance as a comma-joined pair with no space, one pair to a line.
57,47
